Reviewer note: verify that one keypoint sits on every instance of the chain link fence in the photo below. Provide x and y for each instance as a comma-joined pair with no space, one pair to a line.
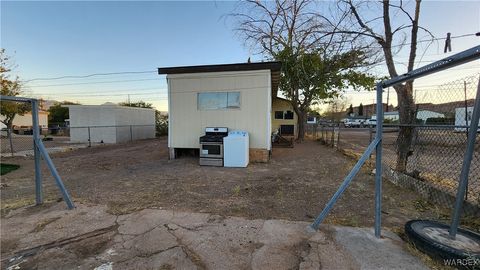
436,152
19,140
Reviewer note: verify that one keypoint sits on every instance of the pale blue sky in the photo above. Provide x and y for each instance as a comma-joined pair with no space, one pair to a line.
50,39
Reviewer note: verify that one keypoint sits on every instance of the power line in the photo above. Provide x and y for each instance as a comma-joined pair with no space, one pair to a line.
104,95
89,75
428,40
104,91
176,92
101,82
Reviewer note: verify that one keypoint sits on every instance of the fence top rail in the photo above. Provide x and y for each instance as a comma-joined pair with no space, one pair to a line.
426,126
18,99
406,125
451,61
146,125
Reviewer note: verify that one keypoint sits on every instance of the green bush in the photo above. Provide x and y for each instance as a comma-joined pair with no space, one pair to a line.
161,124
390,121
440,121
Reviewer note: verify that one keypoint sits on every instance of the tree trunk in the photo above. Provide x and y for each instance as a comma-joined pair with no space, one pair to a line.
302,116
9,124
406,111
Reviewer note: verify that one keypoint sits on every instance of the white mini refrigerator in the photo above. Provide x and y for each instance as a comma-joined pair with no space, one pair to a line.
236,149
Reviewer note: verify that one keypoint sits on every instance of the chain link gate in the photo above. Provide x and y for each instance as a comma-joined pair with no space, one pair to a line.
426,133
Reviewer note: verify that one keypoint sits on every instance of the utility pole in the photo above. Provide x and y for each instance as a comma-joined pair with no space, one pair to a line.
388,97
128,99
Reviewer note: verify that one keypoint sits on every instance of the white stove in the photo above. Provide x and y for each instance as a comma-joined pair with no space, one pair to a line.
211,146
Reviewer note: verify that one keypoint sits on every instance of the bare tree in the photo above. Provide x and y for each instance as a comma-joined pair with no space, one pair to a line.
335,109
358,21
316,64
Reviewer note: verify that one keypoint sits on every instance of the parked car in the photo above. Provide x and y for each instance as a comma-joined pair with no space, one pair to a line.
354,123
371,122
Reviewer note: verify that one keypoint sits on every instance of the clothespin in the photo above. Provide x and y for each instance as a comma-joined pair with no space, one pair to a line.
448,44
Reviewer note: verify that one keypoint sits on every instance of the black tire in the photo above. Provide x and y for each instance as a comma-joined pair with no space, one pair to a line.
414,229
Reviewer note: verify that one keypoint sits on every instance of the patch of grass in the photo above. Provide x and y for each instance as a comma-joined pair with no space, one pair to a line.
122,208
8,206
236,190
43,223
471,222
422,205
279,194
355,155
6,168
350,221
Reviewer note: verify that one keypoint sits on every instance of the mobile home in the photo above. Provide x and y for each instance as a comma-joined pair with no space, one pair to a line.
234,96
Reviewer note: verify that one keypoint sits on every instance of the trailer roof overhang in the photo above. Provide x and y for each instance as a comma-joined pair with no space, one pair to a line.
274,68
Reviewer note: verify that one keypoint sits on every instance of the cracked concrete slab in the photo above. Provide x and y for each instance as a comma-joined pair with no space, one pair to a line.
374,253
90,238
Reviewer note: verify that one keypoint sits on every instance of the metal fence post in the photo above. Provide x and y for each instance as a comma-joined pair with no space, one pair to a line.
36,138
332,138
467,160
378,162
56,176
89,138
131,134
9,133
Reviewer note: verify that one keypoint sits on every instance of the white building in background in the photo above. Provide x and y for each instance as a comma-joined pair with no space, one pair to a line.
25,120
421,114
425,114
463,119
110,123
392,116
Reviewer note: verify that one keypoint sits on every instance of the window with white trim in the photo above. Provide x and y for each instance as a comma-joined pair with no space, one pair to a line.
218,101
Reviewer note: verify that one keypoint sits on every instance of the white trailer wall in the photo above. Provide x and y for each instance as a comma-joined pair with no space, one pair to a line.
187,123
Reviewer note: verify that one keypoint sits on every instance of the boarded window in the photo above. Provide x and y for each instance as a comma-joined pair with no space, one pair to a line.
218,100
287,129
278,114
289,115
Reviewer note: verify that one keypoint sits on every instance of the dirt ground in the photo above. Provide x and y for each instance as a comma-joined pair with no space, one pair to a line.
294,185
